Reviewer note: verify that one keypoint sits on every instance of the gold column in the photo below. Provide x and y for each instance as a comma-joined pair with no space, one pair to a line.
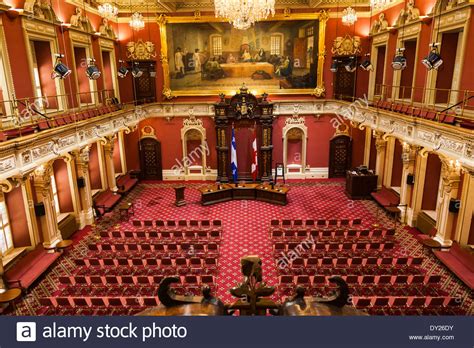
421,159
28,201
86,215
380,145
408,158
368,140
466,208
389,156
70,160
123,153
2,283
450,179
44,194
108,146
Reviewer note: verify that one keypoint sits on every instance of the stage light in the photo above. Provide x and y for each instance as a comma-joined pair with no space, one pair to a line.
399,61
136,72
122,71
92,71
350,65
60,70
367,64
334,66
434,60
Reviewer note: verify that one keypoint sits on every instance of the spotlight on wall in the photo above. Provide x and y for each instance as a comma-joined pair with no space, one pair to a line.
399,61
92,71
434,60
60,70
334,65
350,64
122,71
366,64
136,72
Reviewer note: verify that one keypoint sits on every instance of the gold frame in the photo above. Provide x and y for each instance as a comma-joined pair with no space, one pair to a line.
168,94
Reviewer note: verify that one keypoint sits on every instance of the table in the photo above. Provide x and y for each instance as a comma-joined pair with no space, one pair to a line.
10,296
246,69
125,210
226,192
394,212
64,244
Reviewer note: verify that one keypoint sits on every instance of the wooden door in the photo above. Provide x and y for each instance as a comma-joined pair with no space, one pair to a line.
150,159
145,85
340,156
344,84
300,52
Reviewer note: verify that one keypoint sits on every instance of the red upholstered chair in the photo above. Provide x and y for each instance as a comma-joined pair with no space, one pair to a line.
150,301
275,223
287,285
137,223
363,302
205,224
356,221
217,223
309,223
115,301
210,264
321,222
398,302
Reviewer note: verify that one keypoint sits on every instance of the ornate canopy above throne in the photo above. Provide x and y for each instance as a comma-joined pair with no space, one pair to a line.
244,110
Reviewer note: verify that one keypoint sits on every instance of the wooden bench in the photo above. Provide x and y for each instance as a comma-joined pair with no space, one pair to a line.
105,201
126,183
459,261
29,268
386,197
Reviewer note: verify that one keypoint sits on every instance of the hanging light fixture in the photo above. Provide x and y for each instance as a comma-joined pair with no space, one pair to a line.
60,70
92,71
349,16
137,22
399,62
122,71
136,72
434,60
378,4
367,64
107,10
242,14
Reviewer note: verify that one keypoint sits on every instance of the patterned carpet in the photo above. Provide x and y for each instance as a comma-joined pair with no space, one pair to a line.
245,232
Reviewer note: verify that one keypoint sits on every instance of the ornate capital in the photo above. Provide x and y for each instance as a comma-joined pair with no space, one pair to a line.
42,176
450,174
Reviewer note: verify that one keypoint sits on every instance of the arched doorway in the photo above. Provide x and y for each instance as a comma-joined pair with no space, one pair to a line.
294,147
150,155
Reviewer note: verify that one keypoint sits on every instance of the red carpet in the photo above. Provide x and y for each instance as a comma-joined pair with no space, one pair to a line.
246,232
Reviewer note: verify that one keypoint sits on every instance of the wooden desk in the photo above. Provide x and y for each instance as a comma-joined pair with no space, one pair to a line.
212,194
278,195
359,186
244,191
125,210
10,296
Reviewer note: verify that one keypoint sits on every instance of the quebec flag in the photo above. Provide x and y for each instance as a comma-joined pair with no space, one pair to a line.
233,157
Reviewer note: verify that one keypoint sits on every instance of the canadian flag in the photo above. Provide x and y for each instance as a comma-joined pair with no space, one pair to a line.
255,155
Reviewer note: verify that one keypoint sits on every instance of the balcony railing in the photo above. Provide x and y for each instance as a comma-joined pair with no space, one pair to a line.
448,106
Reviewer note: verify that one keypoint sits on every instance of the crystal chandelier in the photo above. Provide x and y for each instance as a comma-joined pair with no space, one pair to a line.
378,4
349,16
108,10
242,14
137,22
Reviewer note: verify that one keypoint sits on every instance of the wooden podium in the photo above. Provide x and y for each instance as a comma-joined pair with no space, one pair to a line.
179,194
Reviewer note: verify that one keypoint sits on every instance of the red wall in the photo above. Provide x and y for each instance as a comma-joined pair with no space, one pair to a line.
397,165
62,185
116,156
17,216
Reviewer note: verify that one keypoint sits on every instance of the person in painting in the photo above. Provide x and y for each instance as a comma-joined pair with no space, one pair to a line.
197,61
261,56
179,63
246,57
213,69
231,59
284,69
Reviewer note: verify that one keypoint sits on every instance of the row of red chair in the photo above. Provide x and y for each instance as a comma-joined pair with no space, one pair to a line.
330,234
159,248
308,248
316,262
406,301
76,116
203,235
182,224
428,114
207,263
310,223
353,280
131,280
99,301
